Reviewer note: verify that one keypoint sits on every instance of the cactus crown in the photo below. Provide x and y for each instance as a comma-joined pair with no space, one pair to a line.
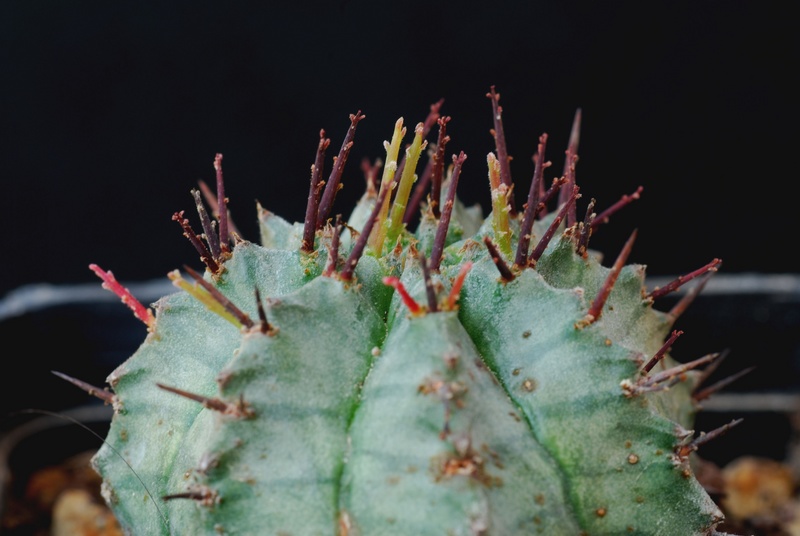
352,377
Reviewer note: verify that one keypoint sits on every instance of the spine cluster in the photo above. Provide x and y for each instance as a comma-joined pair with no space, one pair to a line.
350,376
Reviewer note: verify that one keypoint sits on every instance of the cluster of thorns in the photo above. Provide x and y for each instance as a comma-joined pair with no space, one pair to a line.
215,243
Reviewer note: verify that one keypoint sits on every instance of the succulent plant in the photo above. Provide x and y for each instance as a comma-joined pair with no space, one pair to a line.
352,377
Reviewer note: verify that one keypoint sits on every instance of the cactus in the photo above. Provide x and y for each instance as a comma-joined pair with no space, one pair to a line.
352,377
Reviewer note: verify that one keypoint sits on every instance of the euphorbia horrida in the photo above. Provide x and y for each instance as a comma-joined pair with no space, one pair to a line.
349,376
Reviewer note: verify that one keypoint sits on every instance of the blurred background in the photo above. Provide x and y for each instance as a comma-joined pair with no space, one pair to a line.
112,112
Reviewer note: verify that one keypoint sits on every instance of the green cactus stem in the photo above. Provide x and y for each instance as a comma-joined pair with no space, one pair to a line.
479,375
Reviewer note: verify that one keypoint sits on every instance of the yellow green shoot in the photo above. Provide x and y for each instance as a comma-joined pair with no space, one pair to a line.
500,206
204,297
378,234
406,182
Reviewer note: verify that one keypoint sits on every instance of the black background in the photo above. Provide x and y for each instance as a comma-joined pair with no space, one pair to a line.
112,111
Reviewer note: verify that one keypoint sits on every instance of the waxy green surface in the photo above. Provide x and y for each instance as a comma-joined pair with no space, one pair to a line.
358,413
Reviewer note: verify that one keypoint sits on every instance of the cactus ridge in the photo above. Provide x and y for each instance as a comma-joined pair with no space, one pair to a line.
479,375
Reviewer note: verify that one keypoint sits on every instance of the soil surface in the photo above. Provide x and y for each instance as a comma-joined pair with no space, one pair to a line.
60,500
758,497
